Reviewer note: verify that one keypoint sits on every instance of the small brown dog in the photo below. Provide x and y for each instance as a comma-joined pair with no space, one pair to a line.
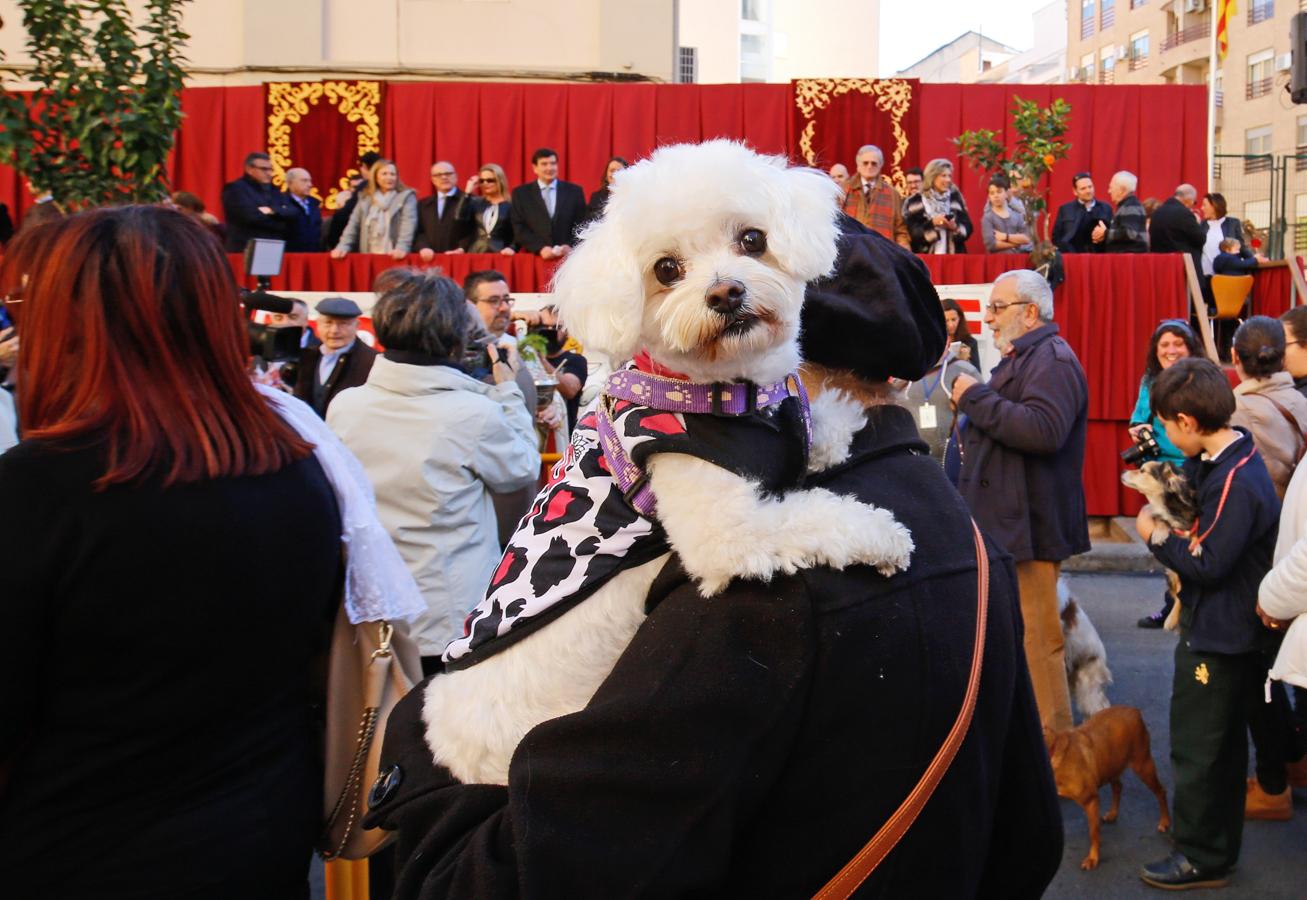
1096,753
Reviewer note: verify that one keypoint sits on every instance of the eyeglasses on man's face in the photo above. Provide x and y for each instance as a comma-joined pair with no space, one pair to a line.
496,300
996,308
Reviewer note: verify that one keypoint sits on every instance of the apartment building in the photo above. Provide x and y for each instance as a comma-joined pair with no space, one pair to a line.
1151,42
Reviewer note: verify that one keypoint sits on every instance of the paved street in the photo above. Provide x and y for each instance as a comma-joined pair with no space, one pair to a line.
1273,864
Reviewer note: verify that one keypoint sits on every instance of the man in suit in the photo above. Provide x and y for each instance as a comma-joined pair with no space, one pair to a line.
1175,228
254,208
341,361
872,200
1074,226
445,218
546,211
304,231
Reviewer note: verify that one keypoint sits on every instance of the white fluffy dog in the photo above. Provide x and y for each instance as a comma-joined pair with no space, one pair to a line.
1087,673
701,260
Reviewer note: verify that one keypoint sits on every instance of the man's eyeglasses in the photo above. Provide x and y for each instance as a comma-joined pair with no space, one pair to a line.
442,174
497,301
996,308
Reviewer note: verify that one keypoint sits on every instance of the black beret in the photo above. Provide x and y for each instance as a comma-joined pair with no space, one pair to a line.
877,315
339,307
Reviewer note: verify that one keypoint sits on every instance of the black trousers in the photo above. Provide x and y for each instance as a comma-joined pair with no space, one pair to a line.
1271,728
1210,698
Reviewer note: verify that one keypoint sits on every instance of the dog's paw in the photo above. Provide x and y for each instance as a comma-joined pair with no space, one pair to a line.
871,536
1089,862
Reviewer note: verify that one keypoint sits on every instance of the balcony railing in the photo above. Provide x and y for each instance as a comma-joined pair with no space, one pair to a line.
1106,18
1107,76
1185,35
1259,88
1086,27
1260,12
1220,99
1300,159
1138,62
1260,163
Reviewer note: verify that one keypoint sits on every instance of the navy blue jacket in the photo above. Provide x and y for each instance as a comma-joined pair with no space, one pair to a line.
1023,449
1074,226
1219,588
241,200
1233,264
749,746
304,230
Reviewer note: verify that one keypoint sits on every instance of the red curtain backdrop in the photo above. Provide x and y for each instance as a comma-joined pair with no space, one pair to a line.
832,118
324,127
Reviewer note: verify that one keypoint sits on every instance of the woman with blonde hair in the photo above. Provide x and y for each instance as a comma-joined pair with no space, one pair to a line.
937,217
384,219
487,191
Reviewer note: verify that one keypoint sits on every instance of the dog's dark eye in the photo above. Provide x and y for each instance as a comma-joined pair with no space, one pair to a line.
668,271
753,242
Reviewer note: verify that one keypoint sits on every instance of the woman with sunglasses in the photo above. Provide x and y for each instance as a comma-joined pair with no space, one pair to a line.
491,208
1172,340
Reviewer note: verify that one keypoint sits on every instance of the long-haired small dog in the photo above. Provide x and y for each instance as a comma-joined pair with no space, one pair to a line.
1087,673
1173,504
700,260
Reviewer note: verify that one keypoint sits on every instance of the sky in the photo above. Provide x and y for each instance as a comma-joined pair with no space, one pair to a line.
911,29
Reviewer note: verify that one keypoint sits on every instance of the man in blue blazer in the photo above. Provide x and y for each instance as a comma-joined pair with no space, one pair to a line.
1073,229
304,231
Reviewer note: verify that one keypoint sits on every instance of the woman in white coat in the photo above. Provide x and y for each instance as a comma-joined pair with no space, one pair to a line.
435,443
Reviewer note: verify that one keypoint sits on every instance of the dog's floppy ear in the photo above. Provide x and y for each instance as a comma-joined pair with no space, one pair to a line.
599,292
804,232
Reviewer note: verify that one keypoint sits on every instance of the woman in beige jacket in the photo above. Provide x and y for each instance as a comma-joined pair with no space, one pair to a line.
1266,402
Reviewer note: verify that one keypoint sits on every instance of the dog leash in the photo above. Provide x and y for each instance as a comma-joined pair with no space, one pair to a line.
1196,543
851,877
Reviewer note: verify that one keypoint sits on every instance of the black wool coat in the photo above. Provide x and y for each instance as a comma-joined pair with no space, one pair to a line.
750,745
1023,449
241,200
924,234
1175,230
1128,232
452,231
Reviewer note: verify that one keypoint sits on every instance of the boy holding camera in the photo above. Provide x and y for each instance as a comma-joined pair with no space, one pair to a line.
1219,662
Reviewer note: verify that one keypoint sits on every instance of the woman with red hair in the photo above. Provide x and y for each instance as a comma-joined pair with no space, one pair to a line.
172,567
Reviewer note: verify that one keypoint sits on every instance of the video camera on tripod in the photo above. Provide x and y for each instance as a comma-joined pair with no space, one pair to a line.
270,345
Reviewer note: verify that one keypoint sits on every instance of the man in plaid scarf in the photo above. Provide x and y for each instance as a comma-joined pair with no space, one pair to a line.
872,200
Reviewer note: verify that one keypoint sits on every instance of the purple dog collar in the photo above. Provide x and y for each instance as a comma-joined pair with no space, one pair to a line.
734,398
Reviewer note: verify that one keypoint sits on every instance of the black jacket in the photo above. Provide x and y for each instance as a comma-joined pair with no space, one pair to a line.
500,236
748,747
143,726
1023,450
1175,230
1219,586
533,229
452,231
241,200
1128,232
1074,226
924,234
351,370
304,231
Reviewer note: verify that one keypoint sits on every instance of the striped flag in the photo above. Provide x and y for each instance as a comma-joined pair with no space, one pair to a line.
1224,10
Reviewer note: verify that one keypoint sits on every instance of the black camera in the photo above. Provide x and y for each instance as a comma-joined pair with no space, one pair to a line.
269,345
1144,449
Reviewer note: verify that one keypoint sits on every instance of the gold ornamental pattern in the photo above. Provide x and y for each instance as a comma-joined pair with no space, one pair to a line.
893,96
289,102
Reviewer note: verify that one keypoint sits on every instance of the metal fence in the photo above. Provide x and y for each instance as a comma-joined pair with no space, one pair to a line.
1257,190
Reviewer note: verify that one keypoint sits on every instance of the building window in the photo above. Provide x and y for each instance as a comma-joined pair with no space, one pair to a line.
1106,14
1260,74
1300,223
1135,4
1107,66
1300,152
1260,11
751,10
1138,50
1086,18
1257,149
687,68
752,44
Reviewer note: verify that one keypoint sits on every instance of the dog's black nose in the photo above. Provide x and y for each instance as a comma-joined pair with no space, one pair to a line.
725,297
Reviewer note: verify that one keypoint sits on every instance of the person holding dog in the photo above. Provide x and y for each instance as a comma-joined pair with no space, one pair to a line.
1219,660
1023,449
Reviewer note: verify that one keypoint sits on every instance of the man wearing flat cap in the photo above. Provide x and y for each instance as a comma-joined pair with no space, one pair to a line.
341,361
750,745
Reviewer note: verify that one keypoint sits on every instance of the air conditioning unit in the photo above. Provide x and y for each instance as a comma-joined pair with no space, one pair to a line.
1121,51
1195,6
1284,62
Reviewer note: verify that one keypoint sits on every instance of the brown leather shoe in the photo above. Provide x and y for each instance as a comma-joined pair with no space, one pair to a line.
1297,772
1267,807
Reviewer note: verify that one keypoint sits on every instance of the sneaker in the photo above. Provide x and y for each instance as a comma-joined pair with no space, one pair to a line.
1153,621
1267,807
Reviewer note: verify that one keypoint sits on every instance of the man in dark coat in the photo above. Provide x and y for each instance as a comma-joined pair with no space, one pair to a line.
254,208
1023,448
547,211
445,218
339,361
1074,226
1175,229
304,230
750,746
1128,232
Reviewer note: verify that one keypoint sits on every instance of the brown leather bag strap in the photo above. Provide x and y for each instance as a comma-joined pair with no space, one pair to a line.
1293,423
850,878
